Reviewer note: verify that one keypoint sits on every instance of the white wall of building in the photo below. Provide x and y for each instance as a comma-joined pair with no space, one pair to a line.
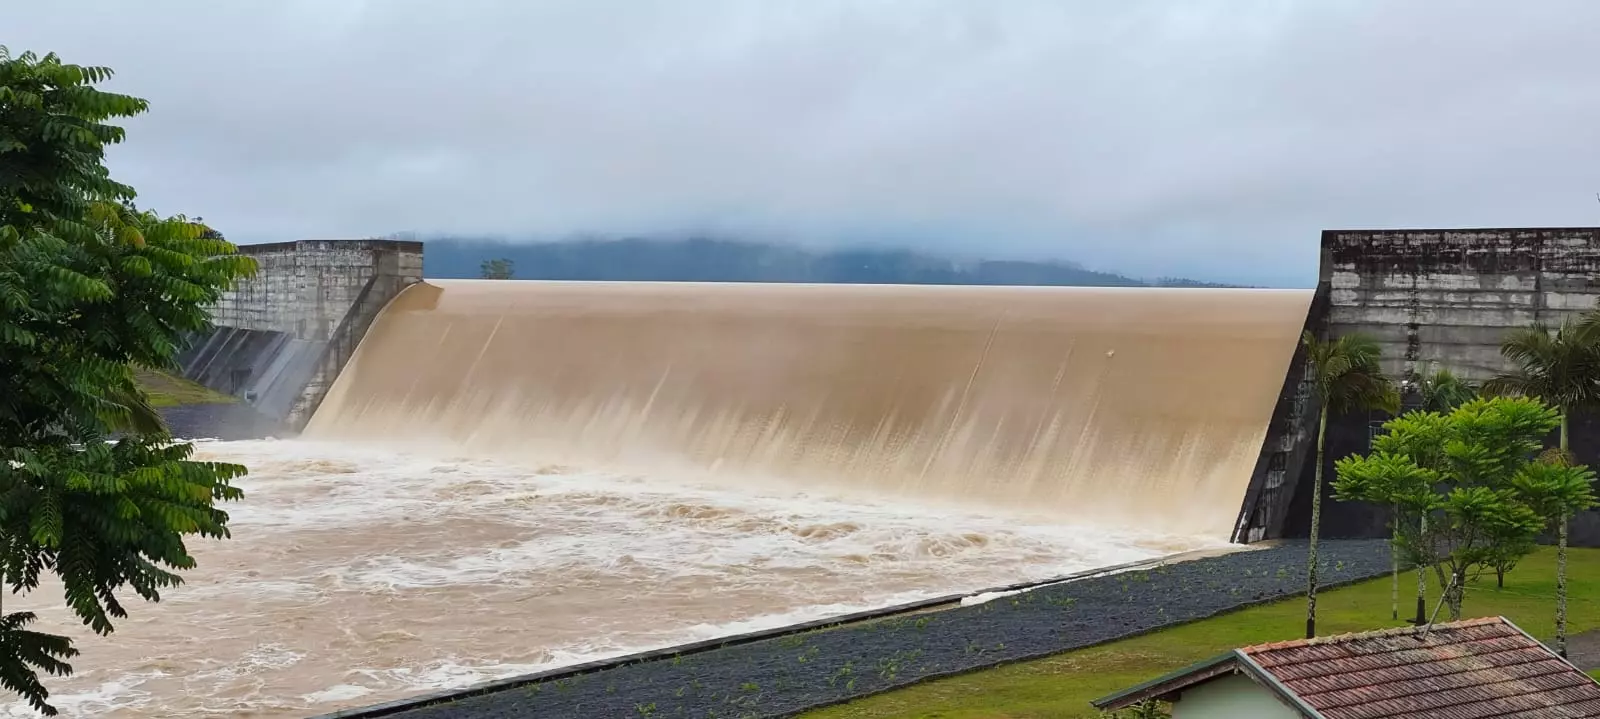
1231,697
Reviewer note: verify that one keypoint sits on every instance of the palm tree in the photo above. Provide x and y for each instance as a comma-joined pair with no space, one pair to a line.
1563,370
1346,377
1443,391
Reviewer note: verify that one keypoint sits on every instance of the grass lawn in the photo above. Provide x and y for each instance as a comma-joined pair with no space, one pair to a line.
168,391
1061,686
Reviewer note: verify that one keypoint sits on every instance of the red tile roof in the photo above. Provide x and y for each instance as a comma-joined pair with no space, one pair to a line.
1474,669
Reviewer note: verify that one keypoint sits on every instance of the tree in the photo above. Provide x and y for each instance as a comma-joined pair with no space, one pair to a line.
1475,476
1440,391
90,286
500,269
1556,489
1417,436
1563,369
1507,549
1345,377
1443,391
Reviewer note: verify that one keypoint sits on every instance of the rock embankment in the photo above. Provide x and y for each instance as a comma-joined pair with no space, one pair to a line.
786,675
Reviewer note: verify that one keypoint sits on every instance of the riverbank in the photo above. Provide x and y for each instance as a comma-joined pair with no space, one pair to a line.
193,411
1064,684
788,675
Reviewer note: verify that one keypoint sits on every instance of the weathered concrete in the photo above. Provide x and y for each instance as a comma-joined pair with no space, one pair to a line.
1446,298
282,336
1290,445
1432,298
305,288
269,369
1443,299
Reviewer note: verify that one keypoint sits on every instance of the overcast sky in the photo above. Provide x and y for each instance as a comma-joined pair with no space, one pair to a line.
1207,138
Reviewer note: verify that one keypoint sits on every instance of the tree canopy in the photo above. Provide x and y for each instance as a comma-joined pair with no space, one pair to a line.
92,486
497,269
1443,391
1561,367
1477,473
1347,376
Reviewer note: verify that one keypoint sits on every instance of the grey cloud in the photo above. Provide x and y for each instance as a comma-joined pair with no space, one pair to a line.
1210,138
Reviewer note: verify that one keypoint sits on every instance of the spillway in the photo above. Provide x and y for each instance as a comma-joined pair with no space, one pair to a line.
1095,405
509,476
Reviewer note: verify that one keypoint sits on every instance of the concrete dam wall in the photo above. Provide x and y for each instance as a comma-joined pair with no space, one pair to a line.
1435,299
282,337
1444,299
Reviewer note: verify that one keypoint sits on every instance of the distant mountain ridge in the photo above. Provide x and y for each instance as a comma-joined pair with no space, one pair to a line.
715,260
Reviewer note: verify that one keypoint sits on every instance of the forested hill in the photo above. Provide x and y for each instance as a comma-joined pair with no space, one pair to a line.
703,260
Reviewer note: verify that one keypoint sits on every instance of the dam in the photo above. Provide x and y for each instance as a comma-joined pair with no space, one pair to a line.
1434,298
480,479
1099,405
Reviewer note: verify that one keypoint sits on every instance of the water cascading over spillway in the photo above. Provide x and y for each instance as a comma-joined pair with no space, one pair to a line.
1120,405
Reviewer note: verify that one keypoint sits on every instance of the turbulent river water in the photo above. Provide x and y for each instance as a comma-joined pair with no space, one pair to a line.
359,574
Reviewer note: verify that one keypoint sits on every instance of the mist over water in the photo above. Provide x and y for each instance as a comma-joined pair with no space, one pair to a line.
513,476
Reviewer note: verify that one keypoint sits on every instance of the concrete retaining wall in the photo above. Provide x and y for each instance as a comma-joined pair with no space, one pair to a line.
269,369
1290,444
1447,297
282,337
1444,299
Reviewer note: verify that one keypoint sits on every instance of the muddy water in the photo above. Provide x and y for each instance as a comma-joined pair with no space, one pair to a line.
363,574
1093,403
730,457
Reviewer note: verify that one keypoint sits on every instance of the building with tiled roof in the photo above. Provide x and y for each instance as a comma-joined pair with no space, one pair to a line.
1474,669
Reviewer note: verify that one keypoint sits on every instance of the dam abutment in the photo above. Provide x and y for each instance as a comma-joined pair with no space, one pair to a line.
280,338
1444,299
1291,442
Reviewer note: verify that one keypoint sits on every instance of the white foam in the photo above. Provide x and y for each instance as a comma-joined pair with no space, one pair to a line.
362,574
91,701
336,693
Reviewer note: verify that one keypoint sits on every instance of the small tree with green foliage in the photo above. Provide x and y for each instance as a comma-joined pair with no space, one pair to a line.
1439,391
1472,474
1409,443
1346,377
1563,369
90,287
499,269
1507,550
1557,488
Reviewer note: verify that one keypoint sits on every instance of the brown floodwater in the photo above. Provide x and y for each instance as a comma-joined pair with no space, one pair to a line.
512,476
1126,403
358,575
